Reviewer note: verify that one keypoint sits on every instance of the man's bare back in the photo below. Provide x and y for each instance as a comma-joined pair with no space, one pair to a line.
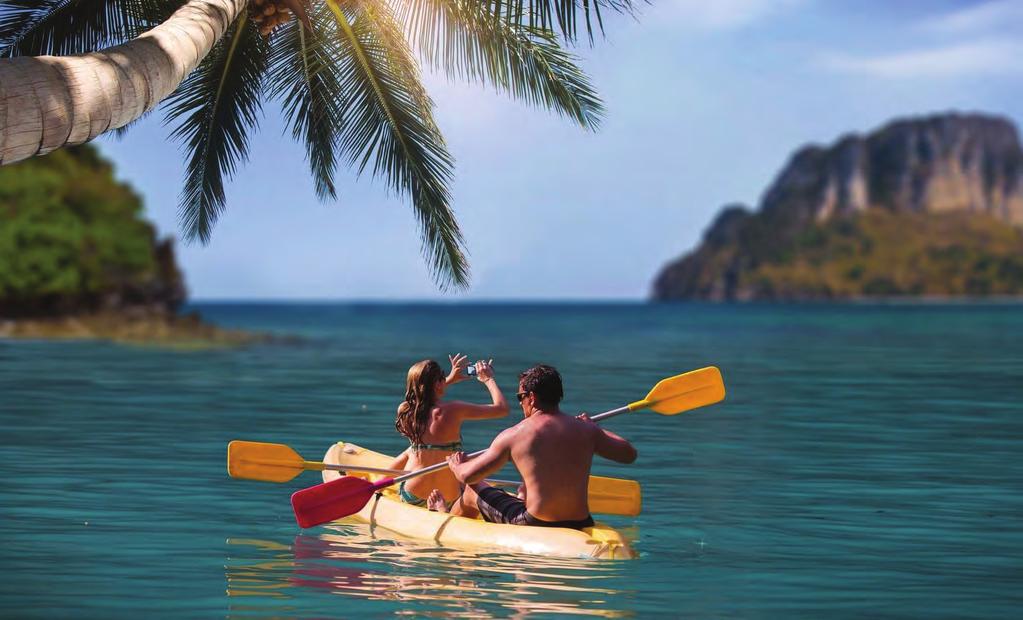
553,452
551,449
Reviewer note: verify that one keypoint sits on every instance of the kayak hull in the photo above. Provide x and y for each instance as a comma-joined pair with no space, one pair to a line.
386,511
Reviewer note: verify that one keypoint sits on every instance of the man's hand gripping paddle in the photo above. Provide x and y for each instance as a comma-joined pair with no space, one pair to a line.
346,496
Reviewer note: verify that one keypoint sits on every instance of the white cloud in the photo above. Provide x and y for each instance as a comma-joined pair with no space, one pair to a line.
985,57
995,15
720,14
980,40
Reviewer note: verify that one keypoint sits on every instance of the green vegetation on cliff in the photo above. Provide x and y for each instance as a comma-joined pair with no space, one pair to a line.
878,253
923,207
72,240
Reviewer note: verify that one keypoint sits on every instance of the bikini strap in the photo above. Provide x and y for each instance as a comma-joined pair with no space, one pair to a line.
453,446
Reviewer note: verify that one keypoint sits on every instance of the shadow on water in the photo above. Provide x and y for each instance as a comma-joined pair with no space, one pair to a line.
404,577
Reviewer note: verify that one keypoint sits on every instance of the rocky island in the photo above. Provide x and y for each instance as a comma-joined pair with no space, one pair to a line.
928,207
78,261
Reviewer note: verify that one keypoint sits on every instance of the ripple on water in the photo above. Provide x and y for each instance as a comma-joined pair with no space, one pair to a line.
418,579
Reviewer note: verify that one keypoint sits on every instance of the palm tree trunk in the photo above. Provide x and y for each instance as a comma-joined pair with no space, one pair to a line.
47,102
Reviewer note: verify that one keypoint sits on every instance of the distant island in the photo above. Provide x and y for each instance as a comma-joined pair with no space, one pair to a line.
928,207
78,261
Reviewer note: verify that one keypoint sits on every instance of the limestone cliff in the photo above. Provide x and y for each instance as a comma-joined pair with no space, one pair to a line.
919,207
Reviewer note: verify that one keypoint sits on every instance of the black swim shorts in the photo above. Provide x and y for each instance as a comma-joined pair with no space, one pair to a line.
496,506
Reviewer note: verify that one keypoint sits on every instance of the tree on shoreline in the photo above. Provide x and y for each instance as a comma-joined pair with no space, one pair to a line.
345,73
73,240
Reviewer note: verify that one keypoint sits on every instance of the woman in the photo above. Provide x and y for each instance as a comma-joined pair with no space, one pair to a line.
434,430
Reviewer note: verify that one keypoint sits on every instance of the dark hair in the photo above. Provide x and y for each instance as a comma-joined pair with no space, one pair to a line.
544,382
414,412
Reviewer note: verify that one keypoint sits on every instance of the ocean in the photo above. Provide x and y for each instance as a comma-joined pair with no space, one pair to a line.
866,462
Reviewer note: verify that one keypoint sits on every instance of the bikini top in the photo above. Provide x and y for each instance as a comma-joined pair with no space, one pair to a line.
453,446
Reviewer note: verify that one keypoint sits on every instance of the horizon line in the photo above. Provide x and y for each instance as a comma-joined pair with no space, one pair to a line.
416,300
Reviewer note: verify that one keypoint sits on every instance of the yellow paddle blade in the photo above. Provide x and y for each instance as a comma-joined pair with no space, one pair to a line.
689,390
271,462
614,496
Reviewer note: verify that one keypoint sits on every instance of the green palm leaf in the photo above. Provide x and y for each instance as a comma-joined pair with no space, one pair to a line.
65,27
563,14
469,41
219,105
122,131
390,123
302,76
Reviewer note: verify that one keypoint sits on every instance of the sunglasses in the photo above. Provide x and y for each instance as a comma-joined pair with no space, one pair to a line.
521,395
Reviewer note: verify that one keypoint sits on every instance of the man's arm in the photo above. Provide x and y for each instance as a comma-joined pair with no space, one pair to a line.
471,471
609,445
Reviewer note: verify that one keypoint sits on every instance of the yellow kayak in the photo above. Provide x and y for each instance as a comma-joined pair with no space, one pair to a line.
386,511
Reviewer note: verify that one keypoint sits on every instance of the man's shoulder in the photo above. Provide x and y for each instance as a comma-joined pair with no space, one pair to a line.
514,432
555,425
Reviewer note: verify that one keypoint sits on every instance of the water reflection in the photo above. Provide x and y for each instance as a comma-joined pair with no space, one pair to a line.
407,577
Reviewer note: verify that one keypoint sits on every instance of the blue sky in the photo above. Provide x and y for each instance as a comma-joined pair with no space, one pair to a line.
706,101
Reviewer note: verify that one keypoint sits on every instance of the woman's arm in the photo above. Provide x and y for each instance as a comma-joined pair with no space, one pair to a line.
400,462
497,409
458,364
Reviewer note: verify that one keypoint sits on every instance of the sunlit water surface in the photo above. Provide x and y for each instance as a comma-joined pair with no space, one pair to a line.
868,461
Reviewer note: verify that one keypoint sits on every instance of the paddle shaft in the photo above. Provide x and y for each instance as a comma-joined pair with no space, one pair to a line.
597,418
431,468
318,466
612,413
381,470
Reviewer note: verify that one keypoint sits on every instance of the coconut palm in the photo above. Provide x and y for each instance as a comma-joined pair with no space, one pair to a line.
345,72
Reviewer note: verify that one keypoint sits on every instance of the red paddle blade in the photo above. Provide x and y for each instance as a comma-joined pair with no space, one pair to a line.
333,500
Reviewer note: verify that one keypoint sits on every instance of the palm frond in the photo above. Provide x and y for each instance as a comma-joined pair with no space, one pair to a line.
120,132
302,76
65,27
390,123
560,15
468,41
219,105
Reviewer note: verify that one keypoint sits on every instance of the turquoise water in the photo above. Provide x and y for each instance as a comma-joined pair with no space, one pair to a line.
868,461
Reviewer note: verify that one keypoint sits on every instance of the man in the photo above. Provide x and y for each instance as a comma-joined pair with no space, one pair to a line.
553,452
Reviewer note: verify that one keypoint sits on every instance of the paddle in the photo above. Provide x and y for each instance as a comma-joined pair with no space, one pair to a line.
345,496
275,462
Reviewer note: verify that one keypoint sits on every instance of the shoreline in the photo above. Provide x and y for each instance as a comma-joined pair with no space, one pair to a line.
173,331
858,300
596,301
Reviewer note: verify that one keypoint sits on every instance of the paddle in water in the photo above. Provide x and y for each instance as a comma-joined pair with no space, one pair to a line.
346,496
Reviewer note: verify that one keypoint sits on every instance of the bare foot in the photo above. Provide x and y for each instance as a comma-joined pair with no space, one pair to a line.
522,492
436,501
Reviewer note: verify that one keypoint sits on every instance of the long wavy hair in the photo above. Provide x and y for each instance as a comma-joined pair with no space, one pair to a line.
420,398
